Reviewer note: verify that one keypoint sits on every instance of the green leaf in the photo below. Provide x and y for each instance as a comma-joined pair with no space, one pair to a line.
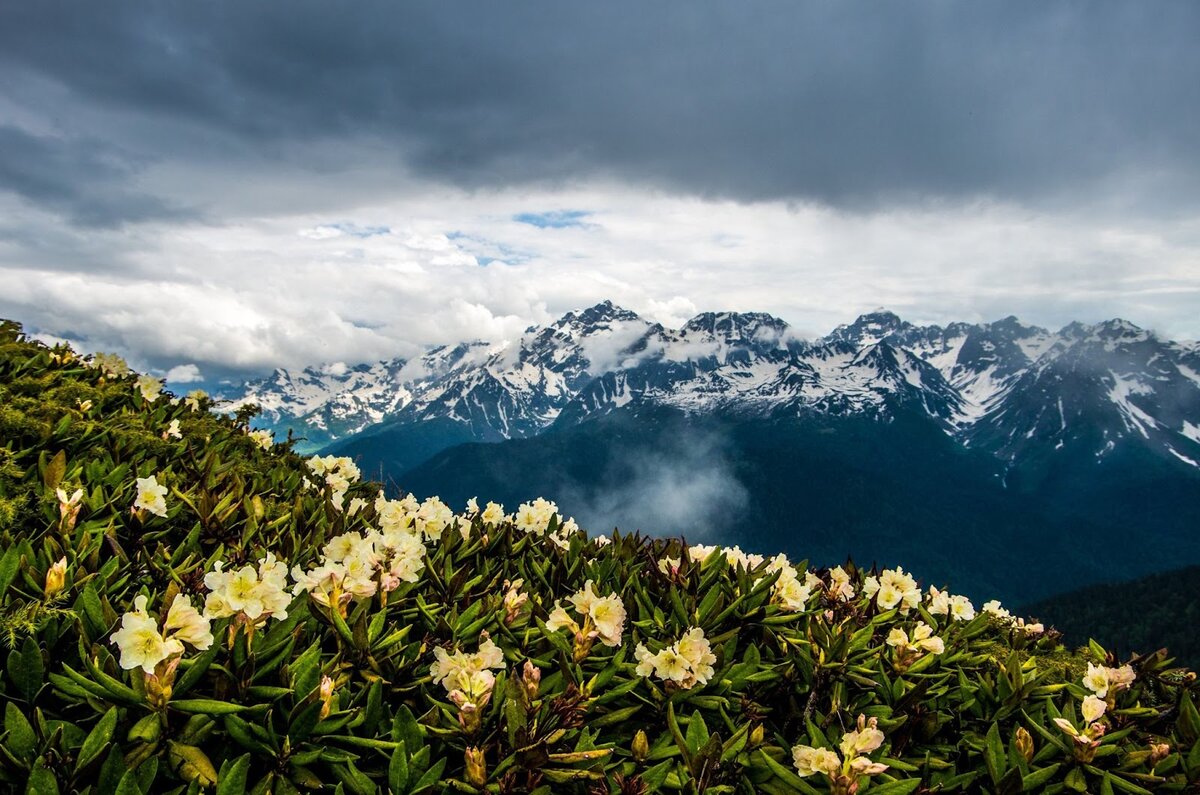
1039,777
21,740
697,733
786,776
97,740
191,764
232,779
55,469
398,769
207,706
9,564
993,754
901,787
25,668
41,782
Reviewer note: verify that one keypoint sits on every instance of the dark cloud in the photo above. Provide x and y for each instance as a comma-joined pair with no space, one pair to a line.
85,180
852,104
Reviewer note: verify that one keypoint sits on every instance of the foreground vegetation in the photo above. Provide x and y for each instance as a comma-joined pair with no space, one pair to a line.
188,606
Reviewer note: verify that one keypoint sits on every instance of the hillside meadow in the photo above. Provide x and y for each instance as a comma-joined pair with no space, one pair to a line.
187,605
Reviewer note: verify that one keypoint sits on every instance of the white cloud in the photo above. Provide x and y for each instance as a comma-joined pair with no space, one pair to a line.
443,266
184,374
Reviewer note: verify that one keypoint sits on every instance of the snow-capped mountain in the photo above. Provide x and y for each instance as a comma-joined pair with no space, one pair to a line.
1014,390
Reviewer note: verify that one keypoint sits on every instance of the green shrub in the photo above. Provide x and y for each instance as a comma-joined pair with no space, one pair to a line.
403,648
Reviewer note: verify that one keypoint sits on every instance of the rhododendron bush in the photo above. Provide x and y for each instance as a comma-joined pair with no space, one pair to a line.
189,606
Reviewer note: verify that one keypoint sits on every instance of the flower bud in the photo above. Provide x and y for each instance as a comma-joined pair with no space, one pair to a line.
641,746
531,677
756,736
1158,752
326,695
469,718
56,578
476,767
1024,743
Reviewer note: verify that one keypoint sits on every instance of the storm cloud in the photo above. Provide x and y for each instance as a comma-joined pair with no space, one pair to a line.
247,170
844,103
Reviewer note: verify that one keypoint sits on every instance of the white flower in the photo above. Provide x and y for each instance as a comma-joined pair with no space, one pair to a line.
559,618
893,589
151,496
1093,708
602,541
173,431
110,364
192,401
839,584
262,437
1100,680
695,648
140,642
608,615
808,760
432,518
938,603
922,639
534,517
356,505
143,645
493,514
699,552
669,566
185,622
467,677
149,386
687,662
961,608
993,608
603,617
863,740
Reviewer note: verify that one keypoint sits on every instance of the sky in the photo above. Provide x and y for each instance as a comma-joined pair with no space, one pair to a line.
226,187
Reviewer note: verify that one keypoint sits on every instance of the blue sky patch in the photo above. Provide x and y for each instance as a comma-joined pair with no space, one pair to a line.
554,219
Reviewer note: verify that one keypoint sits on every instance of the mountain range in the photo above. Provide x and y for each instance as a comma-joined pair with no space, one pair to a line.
956,445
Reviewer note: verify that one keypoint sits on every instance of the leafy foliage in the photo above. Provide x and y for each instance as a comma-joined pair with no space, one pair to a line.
345,700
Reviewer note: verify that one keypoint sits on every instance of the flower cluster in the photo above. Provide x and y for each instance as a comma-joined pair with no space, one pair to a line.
262,437
942,603
514,600
534,517
149,386
151,496
1104,681
734,555
194,399
994,609
603,617
356,565
687,663
426,520
789,591
893,588
110,364
339,474
468,678
843,772
253,593
912,646
143,645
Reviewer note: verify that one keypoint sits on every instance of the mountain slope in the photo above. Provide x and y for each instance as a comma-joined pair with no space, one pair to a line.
1145,614
825,487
